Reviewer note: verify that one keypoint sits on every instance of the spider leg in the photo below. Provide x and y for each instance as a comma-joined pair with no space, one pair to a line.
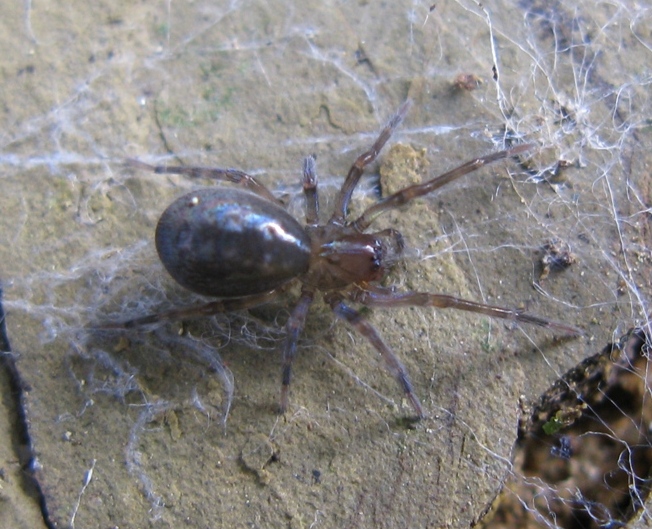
293,328
394,365
310,191
207,309
234,176
374,296
408,194
344,196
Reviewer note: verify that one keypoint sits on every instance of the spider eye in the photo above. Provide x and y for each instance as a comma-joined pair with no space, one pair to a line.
377,259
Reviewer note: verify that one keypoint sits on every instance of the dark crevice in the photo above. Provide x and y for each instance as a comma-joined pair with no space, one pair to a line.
21,438
599,407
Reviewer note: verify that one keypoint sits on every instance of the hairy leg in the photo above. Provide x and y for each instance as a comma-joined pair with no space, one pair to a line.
234,176
394,365
352,179
404,196
207,309
374,296
293,327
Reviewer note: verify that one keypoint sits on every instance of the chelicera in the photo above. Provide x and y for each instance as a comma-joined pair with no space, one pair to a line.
240,245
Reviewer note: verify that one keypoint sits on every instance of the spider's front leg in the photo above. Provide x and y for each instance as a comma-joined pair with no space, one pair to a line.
394,365
376,296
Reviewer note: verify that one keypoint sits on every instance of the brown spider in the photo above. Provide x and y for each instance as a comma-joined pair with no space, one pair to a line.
241,246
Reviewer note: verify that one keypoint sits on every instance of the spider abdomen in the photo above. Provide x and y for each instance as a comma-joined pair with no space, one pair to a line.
226,242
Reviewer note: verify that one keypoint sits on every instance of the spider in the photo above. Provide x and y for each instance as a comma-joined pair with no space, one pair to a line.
240,245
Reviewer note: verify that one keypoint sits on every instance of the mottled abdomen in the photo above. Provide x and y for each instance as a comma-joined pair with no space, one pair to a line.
227,242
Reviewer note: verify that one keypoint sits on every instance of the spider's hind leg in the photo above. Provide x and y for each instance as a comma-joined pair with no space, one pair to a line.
235,176
199,311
